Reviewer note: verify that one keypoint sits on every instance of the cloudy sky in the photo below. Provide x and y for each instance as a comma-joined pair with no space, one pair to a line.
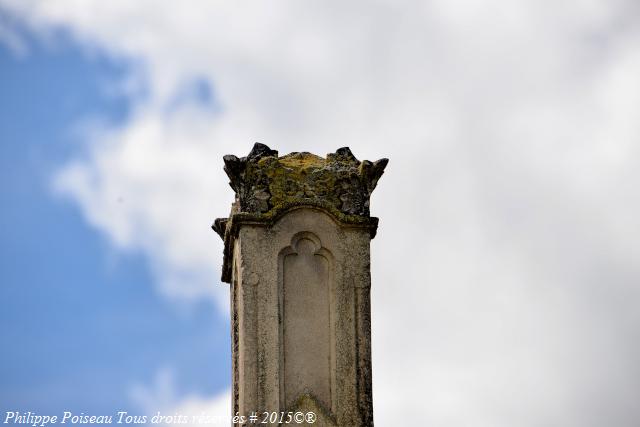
506,270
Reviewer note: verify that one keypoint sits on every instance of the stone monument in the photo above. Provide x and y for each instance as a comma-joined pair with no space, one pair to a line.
296,254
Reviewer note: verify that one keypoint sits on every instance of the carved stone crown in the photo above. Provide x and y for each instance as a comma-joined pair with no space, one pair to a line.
267,185
264,182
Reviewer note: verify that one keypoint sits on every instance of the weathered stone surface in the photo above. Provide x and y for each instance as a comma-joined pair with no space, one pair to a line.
307,270
306,403
264,182
298,265
267,186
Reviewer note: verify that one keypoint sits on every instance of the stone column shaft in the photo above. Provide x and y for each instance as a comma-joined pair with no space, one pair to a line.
297,257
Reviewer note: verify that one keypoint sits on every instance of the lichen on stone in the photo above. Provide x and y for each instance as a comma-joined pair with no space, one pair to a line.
265,182
268,186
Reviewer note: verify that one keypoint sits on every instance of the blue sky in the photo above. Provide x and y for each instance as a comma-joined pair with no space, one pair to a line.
81,322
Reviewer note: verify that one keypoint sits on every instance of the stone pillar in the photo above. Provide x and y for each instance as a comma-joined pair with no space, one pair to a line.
296,253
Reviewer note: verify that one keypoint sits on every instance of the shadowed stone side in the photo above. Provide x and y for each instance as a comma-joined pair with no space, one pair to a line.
297,257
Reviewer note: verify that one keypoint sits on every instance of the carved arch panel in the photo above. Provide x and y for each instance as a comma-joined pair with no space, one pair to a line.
307,330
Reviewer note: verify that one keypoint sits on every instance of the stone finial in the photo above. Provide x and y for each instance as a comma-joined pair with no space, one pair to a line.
265,183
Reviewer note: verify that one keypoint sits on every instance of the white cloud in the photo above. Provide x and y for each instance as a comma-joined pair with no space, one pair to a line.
150,186
510,199
161,405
